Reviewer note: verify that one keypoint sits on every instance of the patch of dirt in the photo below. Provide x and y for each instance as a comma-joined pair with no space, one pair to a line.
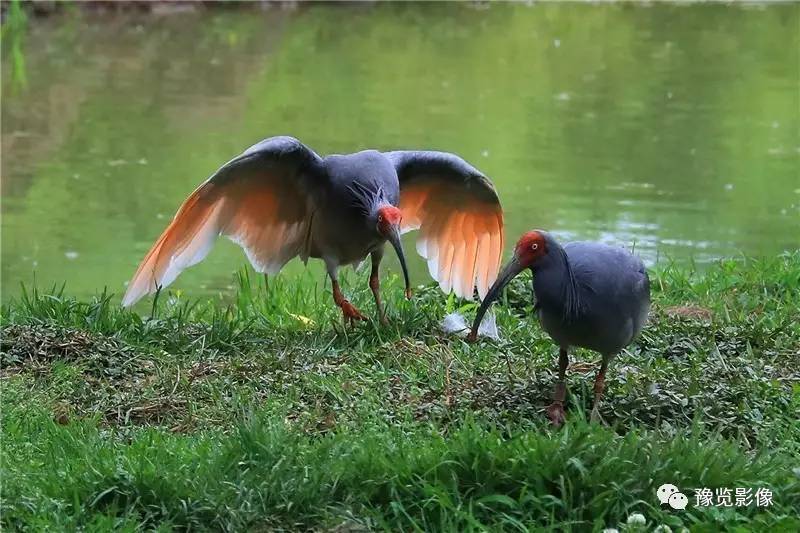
36,347
689,311
115,380
495,396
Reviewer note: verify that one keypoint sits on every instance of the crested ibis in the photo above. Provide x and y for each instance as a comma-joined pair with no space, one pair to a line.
588,294
279,200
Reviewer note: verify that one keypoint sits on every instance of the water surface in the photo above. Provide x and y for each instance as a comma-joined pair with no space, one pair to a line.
674,129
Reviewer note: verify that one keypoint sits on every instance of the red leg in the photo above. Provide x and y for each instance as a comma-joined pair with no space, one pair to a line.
599,387
375,286
556,409
349,311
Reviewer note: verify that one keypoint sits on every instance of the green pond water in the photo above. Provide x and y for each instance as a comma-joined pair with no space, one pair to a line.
674,129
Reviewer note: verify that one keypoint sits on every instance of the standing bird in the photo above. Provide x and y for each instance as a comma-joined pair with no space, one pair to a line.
279,200
587,294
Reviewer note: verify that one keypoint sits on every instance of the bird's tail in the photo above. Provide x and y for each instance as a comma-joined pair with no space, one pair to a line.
185,242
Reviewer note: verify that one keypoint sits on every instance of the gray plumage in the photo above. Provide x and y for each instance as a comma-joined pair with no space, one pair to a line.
347,203
591,295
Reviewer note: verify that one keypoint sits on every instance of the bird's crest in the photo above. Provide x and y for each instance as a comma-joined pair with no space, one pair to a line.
367,200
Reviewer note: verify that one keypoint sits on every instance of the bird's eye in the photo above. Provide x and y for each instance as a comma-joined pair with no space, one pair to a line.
535,246
380,218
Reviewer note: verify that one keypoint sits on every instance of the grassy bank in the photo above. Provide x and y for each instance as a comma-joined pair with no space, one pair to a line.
265,413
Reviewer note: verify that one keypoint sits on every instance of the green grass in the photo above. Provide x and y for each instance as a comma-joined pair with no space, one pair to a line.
263,412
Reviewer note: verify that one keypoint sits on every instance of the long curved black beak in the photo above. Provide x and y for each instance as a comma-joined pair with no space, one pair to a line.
394,238
509,272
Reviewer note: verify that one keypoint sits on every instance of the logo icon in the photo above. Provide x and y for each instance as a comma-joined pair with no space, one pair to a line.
678,501
669,494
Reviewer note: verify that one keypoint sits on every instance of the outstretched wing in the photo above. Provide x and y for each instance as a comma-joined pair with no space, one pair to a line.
457,211
262,200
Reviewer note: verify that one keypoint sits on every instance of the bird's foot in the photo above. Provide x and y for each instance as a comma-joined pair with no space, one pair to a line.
555,411
409,294
351,314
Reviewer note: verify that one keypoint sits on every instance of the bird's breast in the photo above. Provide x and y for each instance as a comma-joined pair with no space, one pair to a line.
341,244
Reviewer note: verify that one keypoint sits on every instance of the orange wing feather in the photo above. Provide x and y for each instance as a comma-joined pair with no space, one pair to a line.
461,233
257,200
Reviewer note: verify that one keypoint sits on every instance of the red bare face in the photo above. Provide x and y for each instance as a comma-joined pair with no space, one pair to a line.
388,216
530,247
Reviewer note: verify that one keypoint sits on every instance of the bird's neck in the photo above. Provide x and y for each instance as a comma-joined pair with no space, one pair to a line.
555,286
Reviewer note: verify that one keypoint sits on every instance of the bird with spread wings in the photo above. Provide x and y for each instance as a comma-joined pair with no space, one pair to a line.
279,200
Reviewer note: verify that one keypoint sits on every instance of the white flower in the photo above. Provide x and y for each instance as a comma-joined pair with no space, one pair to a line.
636,519
610,530
662,529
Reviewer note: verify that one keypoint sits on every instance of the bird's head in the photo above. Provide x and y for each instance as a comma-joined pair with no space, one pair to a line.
388,226
388,219
531,248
